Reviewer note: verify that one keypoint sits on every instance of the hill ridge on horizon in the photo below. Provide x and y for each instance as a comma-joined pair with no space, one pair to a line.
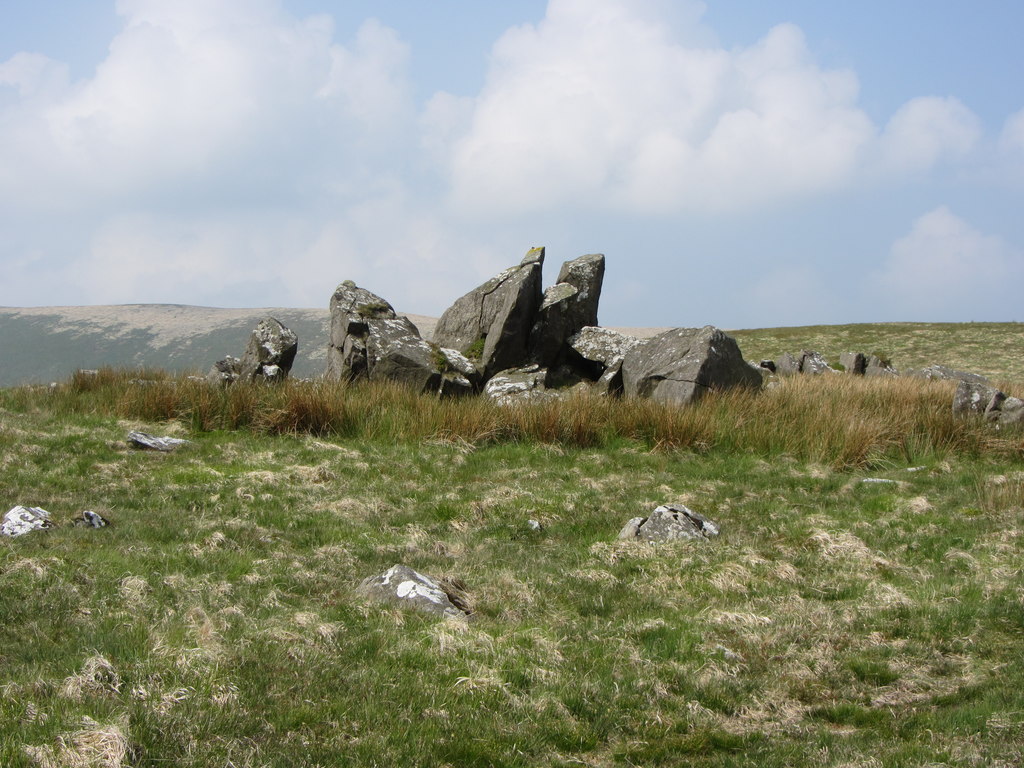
48,343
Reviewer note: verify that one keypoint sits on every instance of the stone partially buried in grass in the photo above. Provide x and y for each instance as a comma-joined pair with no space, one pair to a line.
668,522
153,443
21,520
411,589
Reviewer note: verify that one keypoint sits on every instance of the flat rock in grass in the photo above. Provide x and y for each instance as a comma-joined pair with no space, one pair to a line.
153,443
667,522
21,520
411,589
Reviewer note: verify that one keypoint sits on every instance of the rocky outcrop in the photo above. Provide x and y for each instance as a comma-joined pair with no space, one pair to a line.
853,363
270,353
369,341
668,522
492,323
807,362
945,373
681,365
410,589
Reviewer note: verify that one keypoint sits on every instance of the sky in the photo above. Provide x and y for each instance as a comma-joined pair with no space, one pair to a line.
740,163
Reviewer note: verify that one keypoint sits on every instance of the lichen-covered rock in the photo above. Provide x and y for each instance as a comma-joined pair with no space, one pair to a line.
813,364
225,372
586,275
150,442
493,321
90,519
669,521
21,520
681,365
528,383
351,308
976,397
945,373
601,345
410,589
270,352
1009,410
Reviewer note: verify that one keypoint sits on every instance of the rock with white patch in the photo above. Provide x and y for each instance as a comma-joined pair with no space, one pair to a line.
225,371
667,522
976,397
518,385
90,519
567,307
150,442
492,323
410,589
270,353
21,520
681,365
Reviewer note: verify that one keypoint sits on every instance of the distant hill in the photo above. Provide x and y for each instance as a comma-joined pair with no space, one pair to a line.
43,344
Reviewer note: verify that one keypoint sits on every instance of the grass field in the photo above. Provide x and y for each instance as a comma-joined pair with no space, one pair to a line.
838,620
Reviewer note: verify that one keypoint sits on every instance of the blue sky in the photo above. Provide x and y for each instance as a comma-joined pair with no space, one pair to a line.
740,163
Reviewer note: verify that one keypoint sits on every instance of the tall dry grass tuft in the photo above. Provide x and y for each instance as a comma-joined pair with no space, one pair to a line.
844,421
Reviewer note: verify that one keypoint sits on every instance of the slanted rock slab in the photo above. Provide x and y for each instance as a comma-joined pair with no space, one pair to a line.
411,589
667,522
21,520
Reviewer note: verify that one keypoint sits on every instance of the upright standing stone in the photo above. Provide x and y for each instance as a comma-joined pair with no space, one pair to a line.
492,323
270,352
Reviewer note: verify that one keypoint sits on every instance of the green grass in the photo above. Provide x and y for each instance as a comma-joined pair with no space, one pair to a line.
834,622
976,347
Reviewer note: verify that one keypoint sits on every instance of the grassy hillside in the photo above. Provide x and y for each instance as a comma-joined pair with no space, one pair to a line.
991,349
864,604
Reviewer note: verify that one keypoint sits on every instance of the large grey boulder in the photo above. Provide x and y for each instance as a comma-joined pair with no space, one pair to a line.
492,323
586,275
351,308
270,352
681,365
853,363
667,522
976,397
369,341
411,589
21,520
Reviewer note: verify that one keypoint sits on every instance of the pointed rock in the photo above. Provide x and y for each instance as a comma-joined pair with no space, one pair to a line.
270,352
492,323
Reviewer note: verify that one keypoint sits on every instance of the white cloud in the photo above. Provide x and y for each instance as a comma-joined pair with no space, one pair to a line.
1012,138
927,130
602,105
214,95
945,269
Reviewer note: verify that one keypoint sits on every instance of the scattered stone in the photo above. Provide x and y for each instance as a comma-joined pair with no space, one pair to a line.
533,525
813,364
411,589
768,365
945,373
153,443
21,520
882,480
90,519
787,365
602,346
270,353
669,521
492,323
682,364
